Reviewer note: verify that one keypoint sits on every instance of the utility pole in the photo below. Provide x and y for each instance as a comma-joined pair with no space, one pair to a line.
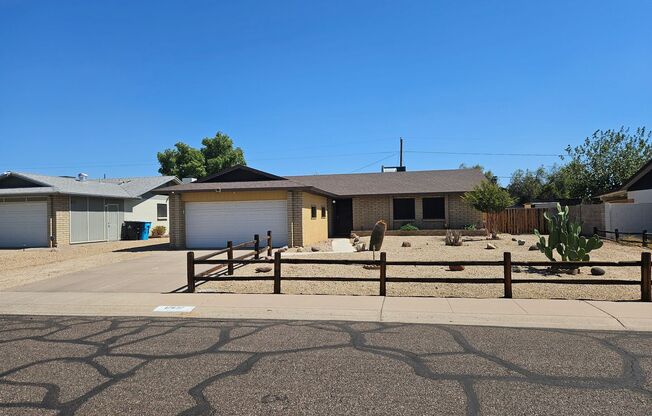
401,153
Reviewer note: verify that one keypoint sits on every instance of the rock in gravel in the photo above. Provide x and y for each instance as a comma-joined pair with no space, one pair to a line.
521,242
533,247
513,238
517,269
313,248
455,268
491,246
360,247
354,236
371,267
356,239
597,271
406,244
299,249
263,269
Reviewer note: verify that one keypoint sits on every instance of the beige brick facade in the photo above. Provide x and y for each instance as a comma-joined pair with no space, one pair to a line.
59,213
295,221
368,210
177,215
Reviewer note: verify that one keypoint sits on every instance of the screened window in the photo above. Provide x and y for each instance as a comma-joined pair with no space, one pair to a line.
162,211
323,212
313,212
434,208
404,209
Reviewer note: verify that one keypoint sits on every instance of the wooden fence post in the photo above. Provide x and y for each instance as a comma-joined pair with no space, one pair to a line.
256,246
617,234
191,271
644,238
269,243
383,273
277,272
646,278
229,256
507,267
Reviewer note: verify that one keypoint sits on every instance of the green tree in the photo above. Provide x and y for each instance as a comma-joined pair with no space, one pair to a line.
487,173
606,160
527,185
489,198
182,161
219,153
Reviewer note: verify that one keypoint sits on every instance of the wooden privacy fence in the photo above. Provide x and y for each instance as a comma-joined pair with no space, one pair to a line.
230,261
517,221
645,265
645,236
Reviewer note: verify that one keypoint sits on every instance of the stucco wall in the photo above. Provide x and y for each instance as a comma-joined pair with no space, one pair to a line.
316,229
641,197
146,210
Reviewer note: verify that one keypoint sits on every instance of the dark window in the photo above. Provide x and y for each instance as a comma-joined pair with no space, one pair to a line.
313,212
323,212
404,209
162,211
434,208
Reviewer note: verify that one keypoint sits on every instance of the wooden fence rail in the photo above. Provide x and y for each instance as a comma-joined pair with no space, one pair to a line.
506,263
645,236
230,261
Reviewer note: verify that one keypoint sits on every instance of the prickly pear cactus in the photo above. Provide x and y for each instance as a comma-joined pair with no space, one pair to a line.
565,238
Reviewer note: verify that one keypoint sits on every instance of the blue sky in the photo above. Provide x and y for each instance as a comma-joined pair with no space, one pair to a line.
316,87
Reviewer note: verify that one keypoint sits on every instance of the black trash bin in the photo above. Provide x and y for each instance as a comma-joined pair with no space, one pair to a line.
131,230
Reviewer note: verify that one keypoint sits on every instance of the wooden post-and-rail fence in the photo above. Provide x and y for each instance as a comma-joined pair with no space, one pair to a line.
382,264
230,260
617,234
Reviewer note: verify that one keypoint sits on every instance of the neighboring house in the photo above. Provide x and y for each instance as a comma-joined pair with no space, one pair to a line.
239,202
42,211
629,209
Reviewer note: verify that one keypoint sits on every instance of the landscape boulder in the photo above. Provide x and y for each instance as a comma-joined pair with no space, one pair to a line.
263,269
455,268
597,271
517,269
406,244
533,247
521,242
299,249
360,247
313,248
491,246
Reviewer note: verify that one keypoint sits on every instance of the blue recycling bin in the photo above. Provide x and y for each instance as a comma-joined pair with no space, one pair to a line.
144,231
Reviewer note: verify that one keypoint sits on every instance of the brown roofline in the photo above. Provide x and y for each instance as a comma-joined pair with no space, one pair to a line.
311,189
236,167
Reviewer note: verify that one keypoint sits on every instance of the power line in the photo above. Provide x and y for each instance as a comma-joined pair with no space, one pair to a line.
483,153
374,162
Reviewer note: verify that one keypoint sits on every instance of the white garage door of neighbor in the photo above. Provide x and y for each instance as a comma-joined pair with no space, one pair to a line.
23,224
212,224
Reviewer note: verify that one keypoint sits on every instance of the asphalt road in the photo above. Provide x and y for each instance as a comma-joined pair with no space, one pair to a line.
93,365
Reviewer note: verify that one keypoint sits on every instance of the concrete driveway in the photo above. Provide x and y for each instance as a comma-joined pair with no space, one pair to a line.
159,272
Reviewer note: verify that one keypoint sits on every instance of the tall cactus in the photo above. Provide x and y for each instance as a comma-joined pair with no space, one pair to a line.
377,235
565,238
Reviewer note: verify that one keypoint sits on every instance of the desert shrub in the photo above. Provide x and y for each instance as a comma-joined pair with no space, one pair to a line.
453,238
409,227
471,227
158,231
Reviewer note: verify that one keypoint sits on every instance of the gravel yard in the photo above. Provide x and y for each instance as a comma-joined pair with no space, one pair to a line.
433,248
18,267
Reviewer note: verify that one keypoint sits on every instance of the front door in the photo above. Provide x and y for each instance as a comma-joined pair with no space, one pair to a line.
112,223
343,217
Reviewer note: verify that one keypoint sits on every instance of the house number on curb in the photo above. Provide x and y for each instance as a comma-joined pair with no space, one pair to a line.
167,308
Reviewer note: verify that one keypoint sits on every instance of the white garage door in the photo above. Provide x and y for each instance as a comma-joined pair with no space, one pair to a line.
23,224
212,224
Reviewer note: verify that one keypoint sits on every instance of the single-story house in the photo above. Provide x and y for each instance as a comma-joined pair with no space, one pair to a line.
49,211
239,202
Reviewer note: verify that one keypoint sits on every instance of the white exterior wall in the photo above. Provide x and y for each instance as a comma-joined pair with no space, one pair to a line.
641,197
628,217
145,210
